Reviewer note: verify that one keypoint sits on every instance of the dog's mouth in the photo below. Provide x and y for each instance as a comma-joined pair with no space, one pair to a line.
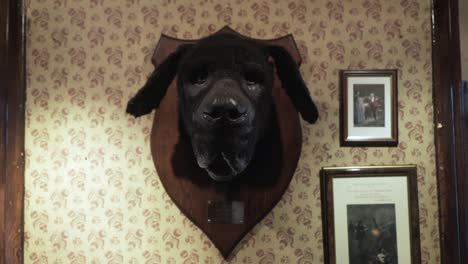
220,169
223,158
223,167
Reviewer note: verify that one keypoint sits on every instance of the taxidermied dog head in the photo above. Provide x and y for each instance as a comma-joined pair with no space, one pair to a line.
225,97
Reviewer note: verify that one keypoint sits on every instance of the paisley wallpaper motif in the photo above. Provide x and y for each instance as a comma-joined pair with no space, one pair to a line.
92,193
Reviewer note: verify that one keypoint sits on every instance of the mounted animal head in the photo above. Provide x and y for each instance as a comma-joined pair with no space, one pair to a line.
225,86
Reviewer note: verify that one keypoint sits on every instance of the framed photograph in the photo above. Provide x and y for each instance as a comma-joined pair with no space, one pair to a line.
370,215
368,108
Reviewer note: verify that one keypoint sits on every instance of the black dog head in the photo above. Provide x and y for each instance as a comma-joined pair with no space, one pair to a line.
225,97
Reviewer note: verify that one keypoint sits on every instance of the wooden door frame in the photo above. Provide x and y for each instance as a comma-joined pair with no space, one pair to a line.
449,115
12,99
450,132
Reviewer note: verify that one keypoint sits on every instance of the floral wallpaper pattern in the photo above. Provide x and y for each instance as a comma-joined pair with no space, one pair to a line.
92,193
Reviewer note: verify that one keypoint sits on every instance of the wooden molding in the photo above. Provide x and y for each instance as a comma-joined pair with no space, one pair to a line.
12,121
450,132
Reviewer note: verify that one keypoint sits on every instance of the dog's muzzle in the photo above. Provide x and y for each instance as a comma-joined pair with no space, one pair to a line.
224,110
225,104
227,116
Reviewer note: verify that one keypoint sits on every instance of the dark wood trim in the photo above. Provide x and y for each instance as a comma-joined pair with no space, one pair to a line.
12,122
450,132
3,45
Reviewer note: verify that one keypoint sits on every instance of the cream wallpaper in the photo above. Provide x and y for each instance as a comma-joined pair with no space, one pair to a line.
92,193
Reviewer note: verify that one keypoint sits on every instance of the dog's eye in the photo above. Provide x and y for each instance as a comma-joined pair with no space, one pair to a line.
251,82
251,78
199,77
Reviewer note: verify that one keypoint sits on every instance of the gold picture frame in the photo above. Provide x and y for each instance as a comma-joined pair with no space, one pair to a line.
370,214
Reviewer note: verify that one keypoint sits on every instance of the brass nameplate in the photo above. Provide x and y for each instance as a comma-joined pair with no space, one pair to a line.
225,212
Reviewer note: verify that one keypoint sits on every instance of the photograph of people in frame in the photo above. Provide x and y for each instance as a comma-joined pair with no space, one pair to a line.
369,105
372,234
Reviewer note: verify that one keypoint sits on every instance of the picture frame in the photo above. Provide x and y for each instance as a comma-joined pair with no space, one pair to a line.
370,214
368,108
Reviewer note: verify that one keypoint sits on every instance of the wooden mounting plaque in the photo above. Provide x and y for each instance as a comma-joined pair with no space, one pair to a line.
261,186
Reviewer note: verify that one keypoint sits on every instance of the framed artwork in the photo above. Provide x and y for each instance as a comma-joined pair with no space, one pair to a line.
370,214
368,108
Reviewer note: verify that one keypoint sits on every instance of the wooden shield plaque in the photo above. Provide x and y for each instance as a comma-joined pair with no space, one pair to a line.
225,211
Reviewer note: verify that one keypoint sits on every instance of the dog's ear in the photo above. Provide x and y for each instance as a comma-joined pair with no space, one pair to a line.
151,94
292,83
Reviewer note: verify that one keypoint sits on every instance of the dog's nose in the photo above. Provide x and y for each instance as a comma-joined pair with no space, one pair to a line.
224,108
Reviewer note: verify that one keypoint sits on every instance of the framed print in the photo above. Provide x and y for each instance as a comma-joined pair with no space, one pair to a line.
370,215
368,108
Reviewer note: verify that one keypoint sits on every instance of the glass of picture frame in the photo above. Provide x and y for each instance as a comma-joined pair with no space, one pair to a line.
368,108
370,214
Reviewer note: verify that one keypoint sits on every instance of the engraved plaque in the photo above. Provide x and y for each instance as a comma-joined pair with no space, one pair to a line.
225,212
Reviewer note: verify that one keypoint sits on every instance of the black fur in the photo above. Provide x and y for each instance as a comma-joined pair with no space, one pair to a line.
150,95
293,83
225,85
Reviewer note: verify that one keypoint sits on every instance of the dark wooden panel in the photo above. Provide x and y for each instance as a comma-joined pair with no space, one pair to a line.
450,133
465,118
3,46
12,129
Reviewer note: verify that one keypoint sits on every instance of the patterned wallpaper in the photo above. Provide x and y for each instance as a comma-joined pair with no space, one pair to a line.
92,193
